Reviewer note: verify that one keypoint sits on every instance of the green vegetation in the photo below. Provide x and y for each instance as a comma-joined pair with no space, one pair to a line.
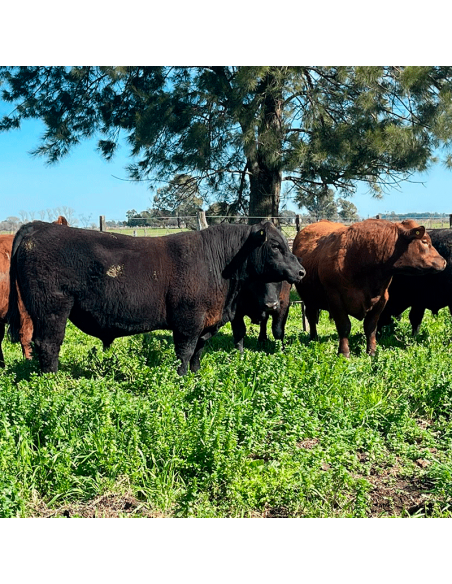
301,433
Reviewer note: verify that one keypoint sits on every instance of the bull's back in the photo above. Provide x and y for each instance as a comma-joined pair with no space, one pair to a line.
114,282
306,240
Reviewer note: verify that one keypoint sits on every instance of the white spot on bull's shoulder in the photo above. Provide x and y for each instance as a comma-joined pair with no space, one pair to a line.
154,275
115,271
8,255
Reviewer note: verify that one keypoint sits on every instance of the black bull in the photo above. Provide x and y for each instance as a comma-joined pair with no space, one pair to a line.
112,285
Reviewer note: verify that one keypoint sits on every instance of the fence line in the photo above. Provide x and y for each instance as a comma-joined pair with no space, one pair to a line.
288,225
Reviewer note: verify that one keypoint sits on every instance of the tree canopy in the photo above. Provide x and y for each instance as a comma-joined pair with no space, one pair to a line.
239,132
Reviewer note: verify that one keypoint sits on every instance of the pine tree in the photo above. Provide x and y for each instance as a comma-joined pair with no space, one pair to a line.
241,131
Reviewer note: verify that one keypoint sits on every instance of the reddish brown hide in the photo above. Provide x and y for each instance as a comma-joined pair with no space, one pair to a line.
349,269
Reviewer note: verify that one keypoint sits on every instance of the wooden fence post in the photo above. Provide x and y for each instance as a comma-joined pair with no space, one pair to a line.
297,222
102,224
202,221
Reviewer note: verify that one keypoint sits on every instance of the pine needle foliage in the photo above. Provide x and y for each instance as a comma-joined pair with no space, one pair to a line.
241,131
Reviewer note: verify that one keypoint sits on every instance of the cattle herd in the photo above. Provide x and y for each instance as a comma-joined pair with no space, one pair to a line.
111,285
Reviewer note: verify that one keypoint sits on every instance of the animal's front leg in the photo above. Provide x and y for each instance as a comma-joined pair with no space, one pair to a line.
263,330
238,331
416,316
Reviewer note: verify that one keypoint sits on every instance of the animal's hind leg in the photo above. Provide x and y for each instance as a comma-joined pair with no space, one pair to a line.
371,323
312,314
195,361
48,336
416,315
2,335
26,328
279,324
186,344
238,331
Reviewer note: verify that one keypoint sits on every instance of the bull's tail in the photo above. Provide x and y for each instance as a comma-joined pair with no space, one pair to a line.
13,314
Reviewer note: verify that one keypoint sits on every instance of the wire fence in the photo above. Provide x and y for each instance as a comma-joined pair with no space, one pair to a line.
140,226
149,227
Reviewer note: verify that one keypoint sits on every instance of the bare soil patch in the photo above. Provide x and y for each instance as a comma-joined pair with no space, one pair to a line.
107,506
397,495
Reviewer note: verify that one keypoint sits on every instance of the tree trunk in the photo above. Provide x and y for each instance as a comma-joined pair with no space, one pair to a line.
264,161
265,191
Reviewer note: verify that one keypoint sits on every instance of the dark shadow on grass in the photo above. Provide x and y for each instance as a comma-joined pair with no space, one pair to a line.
23,369
225,342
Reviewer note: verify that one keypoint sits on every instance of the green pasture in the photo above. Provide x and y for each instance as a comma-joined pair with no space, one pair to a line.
299,433
288,230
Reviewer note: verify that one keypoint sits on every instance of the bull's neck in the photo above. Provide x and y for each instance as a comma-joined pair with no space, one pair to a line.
229,248
370,251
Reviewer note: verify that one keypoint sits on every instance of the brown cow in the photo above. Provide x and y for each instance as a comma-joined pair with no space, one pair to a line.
26,326
349,269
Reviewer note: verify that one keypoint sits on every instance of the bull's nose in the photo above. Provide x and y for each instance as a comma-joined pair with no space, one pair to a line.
302,273
272,305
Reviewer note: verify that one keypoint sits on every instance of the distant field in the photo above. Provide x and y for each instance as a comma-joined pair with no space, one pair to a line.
288,230
299,433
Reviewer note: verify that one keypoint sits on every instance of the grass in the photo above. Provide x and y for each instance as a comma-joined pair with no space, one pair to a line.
299,433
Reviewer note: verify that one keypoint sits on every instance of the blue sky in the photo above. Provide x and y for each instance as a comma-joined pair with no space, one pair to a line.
86,183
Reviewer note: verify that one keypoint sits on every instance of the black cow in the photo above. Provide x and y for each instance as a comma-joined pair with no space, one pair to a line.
432,291
112,285
259,301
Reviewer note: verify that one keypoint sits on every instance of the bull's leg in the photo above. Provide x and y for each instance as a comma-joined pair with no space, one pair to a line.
48,336
195,361
107,341
416,315
25,335
384,320
279,324
371,323
312,314
262,338
238,331
2,335
185,346
48,350
25,329
343,325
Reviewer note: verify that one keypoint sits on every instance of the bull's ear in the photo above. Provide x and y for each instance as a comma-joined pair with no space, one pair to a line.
259,235
414,233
